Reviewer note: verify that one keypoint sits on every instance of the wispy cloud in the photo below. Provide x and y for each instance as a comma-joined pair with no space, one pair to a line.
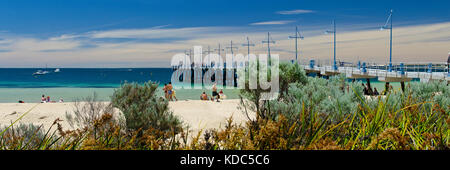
297,11
137,47
272,22
155,33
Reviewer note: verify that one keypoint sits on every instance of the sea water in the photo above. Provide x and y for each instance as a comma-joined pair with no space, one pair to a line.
72,84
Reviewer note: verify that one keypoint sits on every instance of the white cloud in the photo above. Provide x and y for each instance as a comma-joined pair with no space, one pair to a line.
152,33
422,43
272,22
292,12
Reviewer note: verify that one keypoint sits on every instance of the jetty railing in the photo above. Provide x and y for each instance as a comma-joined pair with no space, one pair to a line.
417,70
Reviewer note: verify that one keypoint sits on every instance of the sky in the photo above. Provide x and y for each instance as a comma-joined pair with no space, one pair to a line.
140,33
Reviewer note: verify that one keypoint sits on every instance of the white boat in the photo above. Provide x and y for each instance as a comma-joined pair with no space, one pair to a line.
57,70
40,72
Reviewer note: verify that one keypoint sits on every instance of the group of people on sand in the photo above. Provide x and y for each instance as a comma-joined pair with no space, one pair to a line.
169,93
374,92
47,100
214,94
369,91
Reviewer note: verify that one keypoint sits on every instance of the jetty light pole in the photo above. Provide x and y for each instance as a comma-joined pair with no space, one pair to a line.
209,57
390,38
190,58
296,36
334,43
232,52
248,49
186,54
268,46
218,50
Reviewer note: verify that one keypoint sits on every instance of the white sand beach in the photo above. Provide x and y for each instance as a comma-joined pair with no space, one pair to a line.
196,113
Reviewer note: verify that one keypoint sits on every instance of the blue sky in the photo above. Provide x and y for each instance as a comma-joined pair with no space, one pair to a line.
81,25
47,17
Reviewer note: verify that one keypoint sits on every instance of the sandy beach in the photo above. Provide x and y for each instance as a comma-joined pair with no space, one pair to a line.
195,113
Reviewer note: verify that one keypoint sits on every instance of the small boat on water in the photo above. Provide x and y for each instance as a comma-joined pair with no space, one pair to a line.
43,72
40,72
57,70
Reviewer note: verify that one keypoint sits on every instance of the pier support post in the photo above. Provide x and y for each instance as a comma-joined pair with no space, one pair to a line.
386,88
403,85
370,91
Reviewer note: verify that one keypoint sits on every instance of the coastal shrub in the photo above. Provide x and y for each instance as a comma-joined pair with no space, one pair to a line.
432,94
334,97
22,136
86,110
413,128
143,110
289,73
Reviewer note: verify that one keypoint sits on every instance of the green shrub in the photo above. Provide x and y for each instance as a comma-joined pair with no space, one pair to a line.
143,110
334,97
430,93
289,73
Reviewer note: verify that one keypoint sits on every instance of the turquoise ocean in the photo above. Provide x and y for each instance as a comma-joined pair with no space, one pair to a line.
72,84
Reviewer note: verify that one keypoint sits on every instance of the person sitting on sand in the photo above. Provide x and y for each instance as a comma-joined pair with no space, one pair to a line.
365,90
43,100
221,95
375,92
203,96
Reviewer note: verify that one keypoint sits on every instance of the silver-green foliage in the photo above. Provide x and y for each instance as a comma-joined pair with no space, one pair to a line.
335,97
433,92
142,108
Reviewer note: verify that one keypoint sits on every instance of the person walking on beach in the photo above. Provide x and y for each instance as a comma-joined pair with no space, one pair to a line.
174,95
165,91
48,99
169,91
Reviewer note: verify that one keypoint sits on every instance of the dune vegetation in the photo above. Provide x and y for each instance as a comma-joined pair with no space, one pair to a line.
310,114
